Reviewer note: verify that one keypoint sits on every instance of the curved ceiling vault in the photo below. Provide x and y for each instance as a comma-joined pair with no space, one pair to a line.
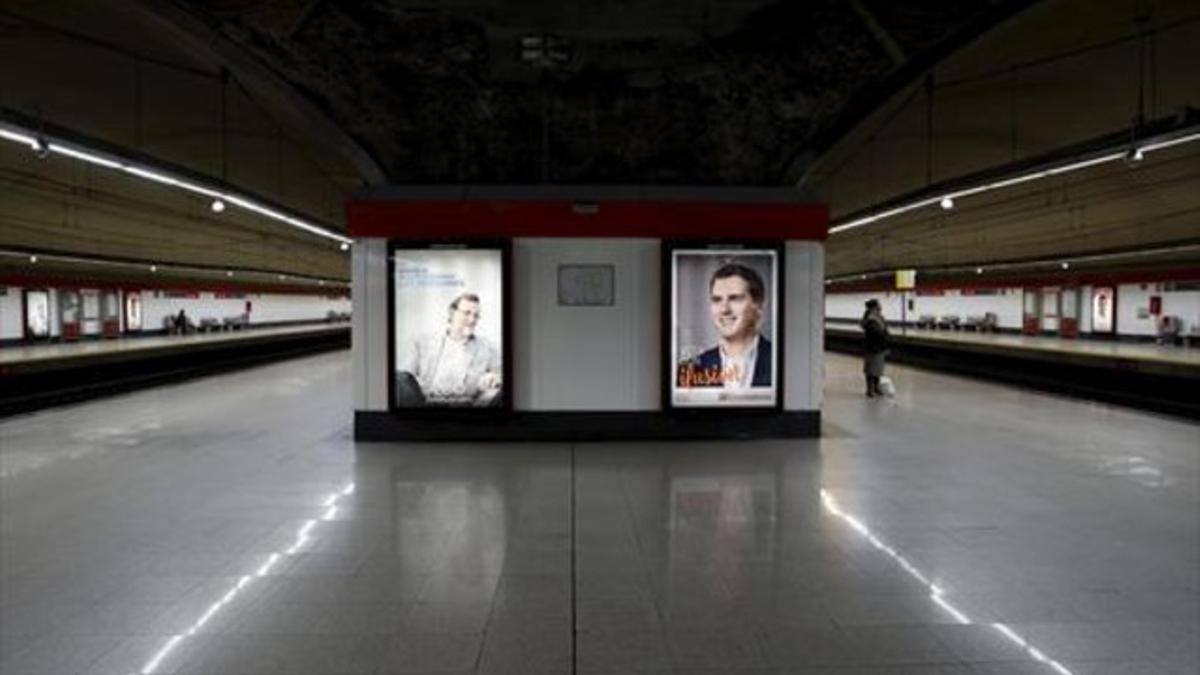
302,102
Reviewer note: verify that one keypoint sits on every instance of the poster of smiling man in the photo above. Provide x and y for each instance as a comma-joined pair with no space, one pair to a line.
724,322
448,314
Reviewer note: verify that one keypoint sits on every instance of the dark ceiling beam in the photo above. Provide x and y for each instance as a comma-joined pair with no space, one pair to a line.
200,38
806,160
1178,128
881,34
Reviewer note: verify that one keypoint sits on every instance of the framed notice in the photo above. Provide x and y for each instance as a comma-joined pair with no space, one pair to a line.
586,285
449,327
725,325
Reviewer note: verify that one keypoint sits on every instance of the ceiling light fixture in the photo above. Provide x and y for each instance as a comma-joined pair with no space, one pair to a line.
33,258
217,206
16,137
344,246
1105,154
45,146
154,268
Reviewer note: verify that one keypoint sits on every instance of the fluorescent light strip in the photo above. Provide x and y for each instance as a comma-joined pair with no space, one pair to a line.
114,163
1016,180
18,138
302,538
156,267
1151,147
936,593
967,192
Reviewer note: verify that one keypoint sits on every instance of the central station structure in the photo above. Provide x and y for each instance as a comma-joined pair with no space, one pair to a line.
597,303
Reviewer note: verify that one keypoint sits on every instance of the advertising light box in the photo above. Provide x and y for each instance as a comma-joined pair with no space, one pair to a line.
725,327
37,314
449,327
133,312
1104,301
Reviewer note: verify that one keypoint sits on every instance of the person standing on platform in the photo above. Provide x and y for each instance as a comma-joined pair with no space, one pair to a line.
875,333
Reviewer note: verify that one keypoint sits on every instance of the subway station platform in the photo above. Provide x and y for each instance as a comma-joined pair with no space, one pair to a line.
231,525
1155,377
34,376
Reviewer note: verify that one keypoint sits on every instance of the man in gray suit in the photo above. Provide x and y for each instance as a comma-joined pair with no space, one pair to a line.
454,367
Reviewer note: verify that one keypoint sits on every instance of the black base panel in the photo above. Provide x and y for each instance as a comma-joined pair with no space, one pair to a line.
588,426
1156,392
28,391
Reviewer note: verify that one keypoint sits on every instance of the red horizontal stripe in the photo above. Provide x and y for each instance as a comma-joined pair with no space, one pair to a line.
413,219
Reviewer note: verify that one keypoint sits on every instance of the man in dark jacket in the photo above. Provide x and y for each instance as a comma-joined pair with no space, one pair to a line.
742,356
875,334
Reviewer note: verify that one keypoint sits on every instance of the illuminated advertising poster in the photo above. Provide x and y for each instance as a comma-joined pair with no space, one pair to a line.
37,314
724,324
133,311
1103,308
449,328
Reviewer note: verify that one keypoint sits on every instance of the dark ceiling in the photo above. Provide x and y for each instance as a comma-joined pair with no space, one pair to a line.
716,92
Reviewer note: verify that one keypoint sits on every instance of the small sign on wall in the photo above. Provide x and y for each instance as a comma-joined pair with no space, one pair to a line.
586,285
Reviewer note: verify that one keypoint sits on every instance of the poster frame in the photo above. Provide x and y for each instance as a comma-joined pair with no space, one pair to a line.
27,334
126,296
504,246
667,378
1112,328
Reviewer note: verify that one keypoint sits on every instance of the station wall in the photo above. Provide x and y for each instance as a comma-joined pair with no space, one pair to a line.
266,308
1133,318
610,353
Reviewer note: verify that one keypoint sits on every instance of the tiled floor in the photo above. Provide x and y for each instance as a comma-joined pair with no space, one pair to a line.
230,525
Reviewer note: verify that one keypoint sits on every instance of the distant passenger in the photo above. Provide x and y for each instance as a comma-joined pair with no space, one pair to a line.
876,338
181,323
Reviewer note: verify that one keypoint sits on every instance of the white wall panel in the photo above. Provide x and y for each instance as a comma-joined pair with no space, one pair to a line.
158,306
359,335
586,358
1185,305
804,325
1132,299
12,323
1006,305
369,330
264,308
